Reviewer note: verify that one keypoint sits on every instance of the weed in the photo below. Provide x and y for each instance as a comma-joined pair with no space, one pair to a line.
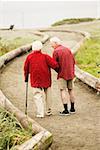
11,132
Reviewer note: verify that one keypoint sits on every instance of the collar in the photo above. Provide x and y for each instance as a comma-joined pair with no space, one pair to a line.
37,51
58,46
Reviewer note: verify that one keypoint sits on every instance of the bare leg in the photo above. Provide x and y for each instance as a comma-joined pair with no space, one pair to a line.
65,98
71,95
72,100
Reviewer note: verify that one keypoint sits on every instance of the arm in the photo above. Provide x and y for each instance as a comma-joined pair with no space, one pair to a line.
55,56
51,62
74,61
26,69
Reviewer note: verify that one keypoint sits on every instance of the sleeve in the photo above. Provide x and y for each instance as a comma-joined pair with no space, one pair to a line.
72,55
26,69
74,61
55,56
51,62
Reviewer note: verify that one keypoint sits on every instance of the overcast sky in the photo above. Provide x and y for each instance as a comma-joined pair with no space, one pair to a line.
28,14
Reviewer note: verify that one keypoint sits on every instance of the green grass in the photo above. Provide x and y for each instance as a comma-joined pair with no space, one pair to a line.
88,57
11,132
7,45
72,21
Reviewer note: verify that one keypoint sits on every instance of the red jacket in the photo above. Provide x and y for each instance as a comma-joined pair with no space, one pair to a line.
38,66
66,62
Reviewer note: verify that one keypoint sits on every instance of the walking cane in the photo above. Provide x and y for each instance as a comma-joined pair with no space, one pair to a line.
26,98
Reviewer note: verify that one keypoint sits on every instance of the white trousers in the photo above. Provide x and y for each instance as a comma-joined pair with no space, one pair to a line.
40,96
48,98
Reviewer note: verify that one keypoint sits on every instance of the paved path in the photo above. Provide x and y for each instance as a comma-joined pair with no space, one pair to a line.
80,131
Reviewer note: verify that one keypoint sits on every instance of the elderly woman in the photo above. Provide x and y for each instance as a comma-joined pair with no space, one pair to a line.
66,73
39,65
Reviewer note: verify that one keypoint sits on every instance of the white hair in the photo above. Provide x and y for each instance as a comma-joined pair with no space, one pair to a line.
55,40
37,45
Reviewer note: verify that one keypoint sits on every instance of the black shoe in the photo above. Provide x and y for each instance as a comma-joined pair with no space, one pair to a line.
64,113
72,111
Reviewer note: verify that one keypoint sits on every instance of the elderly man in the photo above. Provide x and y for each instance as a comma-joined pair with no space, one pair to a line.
39,65
66,62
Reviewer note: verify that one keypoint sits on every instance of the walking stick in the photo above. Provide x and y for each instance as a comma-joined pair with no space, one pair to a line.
26,98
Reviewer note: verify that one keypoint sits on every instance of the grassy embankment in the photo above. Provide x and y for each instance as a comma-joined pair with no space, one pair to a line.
11,132
72,21
7,44
88,56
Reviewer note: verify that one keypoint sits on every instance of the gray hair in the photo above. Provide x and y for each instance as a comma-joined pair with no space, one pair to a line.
55,40
37,45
